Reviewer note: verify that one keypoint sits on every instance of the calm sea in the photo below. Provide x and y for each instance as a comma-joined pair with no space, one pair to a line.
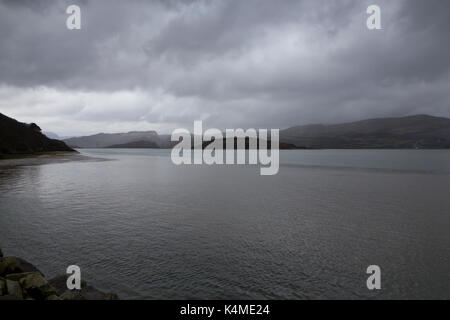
142,227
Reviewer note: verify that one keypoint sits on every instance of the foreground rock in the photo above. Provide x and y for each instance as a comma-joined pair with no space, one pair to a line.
20,280
11,265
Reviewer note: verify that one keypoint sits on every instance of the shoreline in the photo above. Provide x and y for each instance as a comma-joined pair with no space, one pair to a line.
15,160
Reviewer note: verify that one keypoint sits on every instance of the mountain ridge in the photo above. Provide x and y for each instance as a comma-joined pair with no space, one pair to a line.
410,132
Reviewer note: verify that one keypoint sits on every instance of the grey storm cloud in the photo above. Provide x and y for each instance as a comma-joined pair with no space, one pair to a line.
248,63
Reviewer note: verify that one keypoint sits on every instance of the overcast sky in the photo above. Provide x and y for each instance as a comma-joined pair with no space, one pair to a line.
160,65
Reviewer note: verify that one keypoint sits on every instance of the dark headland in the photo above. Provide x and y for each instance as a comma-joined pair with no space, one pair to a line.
17,138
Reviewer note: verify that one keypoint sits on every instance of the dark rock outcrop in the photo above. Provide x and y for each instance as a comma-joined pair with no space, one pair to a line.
22,138
12,265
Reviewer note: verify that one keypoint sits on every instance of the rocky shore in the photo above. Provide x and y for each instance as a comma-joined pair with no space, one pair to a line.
20,280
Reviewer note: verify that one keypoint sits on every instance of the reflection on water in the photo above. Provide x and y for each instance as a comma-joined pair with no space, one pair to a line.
144,228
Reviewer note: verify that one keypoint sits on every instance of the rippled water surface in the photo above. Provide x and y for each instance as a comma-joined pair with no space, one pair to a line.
144,228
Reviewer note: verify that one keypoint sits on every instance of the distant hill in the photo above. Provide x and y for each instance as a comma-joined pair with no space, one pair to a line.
21,138
136,145
104,140
51,135
420,131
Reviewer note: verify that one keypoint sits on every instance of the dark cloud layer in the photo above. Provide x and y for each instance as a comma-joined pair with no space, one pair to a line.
250,63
